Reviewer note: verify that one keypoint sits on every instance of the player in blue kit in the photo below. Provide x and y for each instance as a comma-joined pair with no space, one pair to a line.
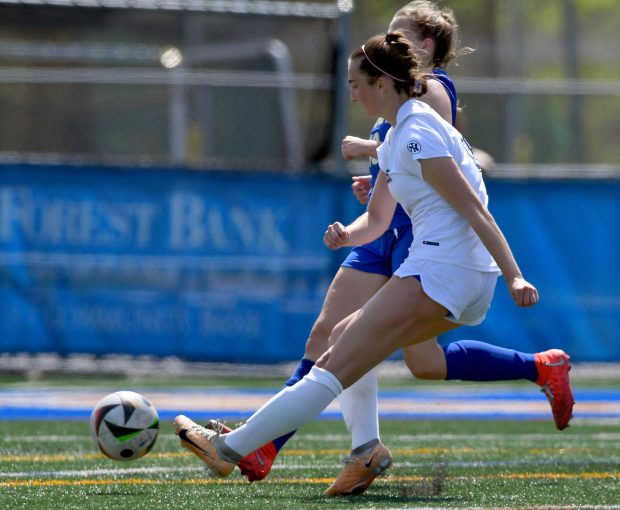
368,267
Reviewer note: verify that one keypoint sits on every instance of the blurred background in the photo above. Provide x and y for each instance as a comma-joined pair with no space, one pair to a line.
167,168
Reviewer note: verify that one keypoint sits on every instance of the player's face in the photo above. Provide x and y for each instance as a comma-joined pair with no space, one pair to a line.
363,92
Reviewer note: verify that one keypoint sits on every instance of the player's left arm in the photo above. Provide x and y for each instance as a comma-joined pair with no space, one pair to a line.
437,98
446,177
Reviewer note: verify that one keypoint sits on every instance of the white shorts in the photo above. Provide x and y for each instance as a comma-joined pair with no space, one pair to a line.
466,293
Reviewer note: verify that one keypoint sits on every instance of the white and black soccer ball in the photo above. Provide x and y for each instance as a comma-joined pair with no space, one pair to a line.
124,425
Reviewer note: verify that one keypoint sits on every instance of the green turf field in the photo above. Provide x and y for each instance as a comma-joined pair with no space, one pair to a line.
438,464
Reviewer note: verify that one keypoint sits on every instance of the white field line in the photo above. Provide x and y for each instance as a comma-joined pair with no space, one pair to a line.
435,403
469,436
86,473
46,439
155,470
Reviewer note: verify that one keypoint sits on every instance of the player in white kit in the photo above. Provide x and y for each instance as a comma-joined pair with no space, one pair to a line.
447,279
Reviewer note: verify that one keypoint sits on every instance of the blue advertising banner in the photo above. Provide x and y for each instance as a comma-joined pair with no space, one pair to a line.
231,266
208,266
566,238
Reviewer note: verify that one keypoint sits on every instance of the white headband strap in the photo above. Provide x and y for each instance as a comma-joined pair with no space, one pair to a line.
378,68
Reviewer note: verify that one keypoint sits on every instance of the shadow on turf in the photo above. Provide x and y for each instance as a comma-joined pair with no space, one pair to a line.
401,495
122,493
428,489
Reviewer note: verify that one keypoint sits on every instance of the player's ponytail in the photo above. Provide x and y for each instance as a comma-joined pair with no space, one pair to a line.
391,55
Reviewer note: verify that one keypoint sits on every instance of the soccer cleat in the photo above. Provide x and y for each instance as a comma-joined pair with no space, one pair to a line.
360,470
255,465
553,368
201,441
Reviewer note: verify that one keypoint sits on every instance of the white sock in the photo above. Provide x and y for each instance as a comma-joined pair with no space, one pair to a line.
293,407
358,404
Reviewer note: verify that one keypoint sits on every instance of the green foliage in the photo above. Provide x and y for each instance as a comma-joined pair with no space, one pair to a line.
525,39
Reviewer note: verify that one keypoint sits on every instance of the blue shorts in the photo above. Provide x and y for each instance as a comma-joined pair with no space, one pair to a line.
384,255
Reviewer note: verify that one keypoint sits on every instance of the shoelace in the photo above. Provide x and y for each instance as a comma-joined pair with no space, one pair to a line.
219,425
203,431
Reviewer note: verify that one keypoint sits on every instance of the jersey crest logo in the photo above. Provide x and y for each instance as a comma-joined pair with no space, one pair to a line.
414,146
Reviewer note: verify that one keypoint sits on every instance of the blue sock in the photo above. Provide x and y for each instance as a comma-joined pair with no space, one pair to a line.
470,360
305,365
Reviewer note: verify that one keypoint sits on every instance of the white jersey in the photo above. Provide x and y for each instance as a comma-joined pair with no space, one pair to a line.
440,233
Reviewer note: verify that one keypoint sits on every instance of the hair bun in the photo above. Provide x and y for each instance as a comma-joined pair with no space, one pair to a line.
392,37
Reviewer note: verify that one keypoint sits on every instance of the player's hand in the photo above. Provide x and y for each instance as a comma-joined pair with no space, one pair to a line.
523,292
336,236
361,188
353,147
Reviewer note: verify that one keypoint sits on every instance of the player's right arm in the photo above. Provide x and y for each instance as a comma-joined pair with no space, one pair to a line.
367,227
361,188
353,147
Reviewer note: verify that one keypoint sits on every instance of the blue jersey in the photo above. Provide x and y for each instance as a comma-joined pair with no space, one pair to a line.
377,133
381,127
444,78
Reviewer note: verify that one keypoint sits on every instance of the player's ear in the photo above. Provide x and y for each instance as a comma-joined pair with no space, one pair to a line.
428,45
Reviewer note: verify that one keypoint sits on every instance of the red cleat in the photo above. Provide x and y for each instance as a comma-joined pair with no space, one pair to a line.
255,465
553,368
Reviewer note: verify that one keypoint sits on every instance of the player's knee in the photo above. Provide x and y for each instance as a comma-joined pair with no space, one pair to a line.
422,368
336,332
318,341
323,360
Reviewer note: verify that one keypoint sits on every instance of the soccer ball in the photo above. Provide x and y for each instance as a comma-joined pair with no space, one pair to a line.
124,425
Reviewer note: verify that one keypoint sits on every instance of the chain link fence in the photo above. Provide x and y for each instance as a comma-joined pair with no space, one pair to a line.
219,85
261,85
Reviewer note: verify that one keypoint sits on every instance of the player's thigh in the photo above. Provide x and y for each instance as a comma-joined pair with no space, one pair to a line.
426,360
399,314
349,291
